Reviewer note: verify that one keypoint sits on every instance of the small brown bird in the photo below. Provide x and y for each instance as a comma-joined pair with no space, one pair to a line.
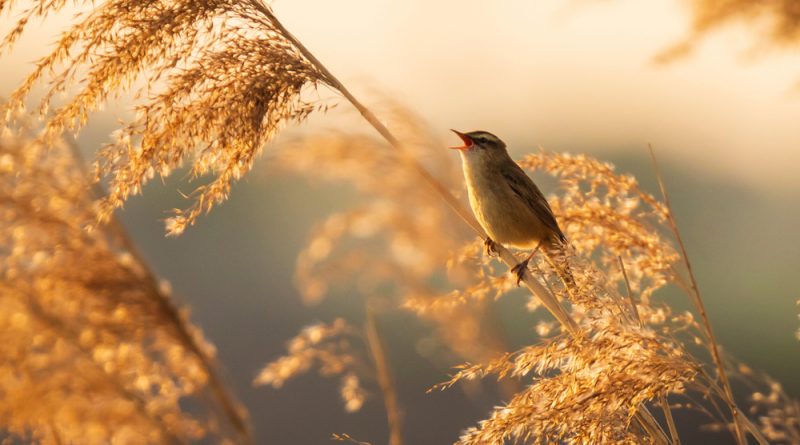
509,206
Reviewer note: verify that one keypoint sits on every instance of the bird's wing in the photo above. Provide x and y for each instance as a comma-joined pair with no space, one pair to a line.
524,187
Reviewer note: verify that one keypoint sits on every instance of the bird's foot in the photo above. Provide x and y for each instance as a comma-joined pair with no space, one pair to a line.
490,246
520,269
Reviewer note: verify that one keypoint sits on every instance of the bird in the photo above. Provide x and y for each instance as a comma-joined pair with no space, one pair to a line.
506,202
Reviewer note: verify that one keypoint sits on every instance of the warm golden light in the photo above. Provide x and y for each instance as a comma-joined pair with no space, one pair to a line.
449,297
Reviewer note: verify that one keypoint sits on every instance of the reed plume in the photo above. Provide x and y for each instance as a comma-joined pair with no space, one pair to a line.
93,349
775,23
332,348
179,57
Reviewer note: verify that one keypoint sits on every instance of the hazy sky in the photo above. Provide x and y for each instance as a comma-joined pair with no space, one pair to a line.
566,74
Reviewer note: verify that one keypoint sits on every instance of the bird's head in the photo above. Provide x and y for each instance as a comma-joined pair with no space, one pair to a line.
481,145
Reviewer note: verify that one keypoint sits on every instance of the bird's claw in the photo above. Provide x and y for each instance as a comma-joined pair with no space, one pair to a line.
490,246
519,270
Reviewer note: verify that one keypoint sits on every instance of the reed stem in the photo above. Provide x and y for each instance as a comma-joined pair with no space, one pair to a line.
673,431
629,293
227,403
385,378
701,308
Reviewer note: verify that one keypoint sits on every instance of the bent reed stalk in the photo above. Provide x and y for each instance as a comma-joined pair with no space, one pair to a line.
97,351
550,302
228,405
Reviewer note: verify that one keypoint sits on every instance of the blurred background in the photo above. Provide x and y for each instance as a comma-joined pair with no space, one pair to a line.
579,76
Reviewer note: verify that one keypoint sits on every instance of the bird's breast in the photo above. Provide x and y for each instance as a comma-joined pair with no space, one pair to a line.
504,216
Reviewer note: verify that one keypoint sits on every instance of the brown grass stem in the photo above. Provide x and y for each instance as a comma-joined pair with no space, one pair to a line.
385,378
550,302
373,120
226,401
700,306
651,426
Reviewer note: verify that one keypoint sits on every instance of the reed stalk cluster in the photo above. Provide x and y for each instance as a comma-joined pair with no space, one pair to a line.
96,351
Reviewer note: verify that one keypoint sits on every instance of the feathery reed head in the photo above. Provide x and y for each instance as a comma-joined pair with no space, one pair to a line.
92,350
777,22
219,80
329,347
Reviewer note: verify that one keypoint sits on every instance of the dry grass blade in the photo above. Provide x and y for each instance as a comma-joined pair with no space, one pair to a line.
629,292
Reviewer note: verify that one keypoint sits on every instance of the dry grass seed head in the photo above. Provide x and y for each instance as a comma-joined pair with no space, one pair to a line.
583,390
608,216
219,81
330,348
89,354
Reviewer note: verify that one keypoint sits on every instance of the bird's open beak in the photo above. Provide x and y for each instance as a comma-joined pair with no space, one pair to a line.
467,141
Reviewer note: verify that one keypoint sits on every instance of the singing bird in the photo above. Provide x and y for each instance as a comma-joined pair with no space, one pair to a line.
507,203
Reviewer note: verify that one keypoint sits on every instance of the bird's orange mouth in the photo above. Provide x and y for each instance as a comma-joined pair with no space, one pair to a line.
467,141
